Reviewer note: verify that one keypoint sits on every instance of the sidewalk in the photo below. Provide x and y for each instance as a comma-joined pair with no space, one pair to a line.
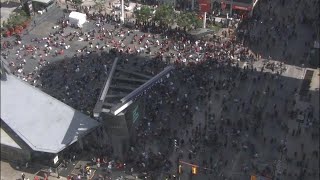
8,173
7,9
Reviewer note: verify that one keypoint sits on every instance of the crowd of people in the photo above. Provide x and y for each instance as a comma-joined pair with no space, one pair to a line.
200,108
69,79
285,30
192,90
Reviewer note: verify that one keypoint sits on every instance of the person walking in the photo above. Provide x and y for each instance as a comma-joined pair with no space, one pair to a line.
23,176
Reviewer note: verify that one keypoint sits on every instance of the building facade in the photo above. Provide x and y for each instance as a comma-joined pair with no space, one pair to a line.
242,8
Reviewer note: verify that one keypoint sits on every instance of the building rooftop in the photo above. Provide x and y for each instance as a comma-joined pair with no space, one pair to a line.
123,85
7,140
43,122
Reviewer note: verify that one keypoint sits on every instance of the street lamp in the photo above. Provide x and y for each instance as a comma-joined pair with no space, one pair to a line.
122,11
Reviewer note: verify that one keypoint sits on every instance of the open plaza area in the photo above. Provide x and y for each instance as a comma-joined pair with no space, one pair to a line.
146,99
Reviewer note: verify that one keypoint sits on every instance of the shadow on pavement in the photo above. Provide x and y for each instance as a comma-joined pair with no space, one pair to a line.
265,35
9,4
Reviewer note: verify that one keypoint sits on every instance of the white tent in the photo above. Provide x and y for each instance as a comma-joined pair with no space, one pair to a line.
77,18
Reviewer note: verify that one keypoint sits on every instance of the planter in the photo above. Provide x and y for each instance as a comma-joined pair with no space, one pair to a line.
11,29
18,28
24,26
18,31
8,33
26,23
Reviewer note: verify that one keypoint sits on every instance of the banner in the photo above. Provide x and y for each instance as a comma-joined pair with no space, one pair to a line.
242,8
204,6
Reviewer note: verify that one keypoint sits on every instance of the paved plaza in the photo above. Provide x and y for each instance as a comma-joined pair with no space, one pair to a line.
231,117
11,172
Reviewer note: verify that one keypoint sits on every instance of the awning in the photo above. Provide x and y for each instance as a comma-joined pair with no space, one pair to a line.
42,1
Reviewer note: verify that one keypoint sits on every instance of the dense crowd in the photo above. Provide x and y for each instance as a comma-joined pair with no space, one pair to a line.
77,79
284,30
207,71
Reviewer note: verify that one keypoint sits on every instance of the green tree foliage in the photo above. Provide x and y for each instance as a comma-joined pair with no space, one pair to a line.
144,14
77,2
188,20
17,18
100,5
165,15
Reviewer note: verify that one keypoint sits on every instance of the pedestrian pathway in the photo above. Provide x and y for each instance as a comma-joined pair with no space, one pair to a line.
10,173
247,105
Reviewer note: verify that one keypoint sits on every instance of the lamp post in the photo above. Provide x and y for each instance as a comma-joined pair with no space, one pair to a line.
231,4
204,19
192,5
122,11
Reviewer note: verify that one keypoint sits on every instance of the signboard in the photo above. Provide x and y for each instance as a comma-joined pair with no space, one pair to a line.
204,5
56,159
242,8
135,112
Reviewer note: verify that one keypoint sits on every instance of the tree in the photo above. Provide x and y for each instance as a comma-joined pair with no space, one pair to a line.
17,18
188,20
77,2
165,15
100,5
144,14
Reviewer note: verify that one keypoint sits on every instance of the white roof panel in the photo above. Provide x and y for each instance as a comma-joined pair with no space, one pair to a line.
43,122
7,140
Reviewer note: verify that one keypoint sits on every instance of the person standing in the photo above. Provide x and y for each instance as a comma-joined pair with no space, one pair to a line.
23,176
98,162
